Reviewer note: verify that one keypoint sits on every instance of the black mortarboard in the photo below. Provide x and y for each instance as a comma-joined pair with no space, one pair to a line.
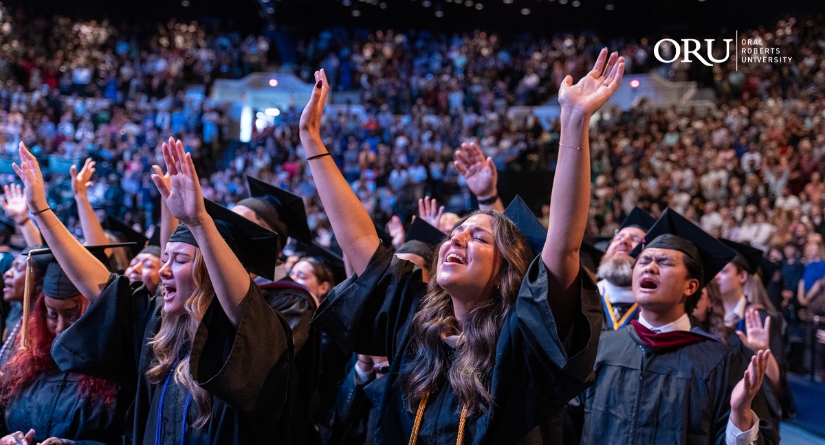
747,258
331,258
155,239
672,231
40,262
289,215
151,250
527,223
126,233
255,247
423,231
416,247
766,269
591,256
56,284
638,218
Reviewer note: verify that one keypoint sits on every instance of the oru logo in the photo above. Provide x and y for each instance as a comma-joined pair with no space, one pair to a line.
746,51
690,47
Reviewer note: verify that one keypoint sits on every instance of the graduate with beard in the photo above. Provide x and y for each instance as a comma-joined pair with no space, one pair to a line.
660,380
615,271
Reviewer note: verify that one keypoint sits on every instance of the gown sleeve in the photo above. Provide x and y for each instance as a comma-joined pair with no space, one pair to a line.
555,368
107,340
296,309
249,367
370,314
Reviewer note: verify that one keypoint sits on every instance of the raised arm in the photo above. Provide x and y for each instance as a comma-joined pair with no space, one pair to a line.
570,198
481,176
185,200
85,271
93,233
16,208
352,225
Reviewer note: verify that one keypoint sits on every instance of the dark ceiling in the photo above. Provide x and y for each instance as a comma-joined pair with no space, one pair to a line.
627,17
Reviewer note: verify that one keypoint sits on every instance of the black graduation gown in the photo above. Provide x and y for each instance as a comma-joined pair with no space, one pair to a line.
296,306
644,396
247,369
356,410
535,372
51,405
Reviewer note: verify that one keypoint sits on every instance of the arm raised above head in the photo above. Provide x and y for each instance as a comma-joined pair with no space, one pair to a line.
350,222
570,198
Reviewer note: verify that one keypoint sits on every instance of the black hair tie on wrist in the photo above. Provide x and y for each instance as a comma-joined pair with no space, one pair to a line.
318,156
41,211
488,201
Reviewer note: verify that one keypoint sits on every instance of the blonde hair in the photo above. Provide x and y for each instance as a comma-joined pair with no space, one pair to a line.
173,342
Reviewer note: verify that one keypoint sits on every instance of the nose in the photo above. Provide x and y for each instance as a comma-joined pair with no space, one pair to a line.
165,270
62,325
459,239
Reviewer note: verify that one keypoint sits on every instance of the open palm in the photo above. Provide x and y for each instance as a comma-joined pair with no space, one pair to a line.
14,203
81,181
758,336
183,194
594,89
480,172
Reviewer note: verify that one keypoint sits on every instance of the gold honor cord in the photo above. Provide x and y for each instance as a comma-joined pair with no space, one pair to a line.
612,314
24,334
420,415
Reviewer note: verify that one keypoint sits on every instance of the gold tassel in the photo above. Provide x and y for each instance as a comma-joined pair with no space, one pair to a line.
24,329
419,415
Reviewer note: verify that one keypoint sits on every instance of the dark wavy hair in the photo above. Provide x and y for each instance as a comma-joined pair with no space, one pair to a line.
469,370
27,364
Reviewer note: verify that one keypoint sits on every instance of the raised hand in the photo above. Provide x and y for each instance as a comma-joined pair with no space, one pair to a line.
481,173
324,237
81,181
429,211
758,336
396,231
594,89
14,203
56,441
183,194
310,124
29,173
163,177
747,388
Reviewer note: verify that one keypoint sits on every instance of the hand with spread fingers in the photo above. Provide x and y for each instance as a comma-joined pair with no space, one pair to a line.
183,193
480,172
83,180
592,91
14,203
29,173
396,231
429,211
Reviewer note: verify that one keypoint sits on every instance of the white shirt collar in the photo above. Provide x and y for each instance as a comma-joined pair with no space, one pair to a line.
738,312
616,294
682,324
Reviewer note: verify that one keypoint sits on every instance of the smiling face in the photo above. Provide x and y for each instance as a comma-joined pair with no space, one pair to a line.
625,241
14,280
468,261
144,267
176,276
60,314
660,281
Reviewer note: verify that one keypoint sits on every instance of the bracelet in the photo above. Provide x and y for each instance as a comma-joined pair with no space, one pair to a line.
488,201
22,223
41,211
318,156
569,146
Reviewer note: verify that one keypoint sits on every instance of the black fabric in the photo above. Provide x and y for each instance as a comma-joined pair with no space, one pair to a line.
56,284
747,258
424,232
182,234
675,396
248,370
151,250
53,407
638,218
289,213
126,233
356,409
266,209
527,224
534,376
419,248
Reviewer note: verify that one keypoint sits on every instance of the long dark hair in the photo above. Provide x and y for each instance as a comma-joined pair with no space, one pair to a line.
469,370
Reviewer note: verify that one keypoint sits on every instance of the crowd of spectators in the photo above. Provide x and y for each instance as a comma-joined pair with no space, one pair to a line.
750,171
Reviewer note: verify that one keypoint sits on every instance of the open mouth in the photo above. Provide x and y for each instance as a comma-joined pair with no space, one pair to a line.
170,292
648,283
455,258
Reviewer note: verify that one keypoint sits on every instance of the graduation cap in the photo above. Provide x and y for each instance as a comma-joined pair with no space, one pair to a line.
383,235
766,269
283,211
424,232
591,256
331,258
527,223
56,284
126,233
672,231
747,258
638,218
255,247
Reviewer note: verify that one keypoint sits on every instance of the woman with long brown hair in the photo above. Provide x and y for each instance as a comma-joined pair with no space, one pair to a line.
492,348
212,364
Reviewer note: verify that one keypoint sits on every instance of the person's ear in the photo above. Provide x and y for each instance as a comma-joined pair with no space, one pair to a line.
743,277
691,287
323,288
